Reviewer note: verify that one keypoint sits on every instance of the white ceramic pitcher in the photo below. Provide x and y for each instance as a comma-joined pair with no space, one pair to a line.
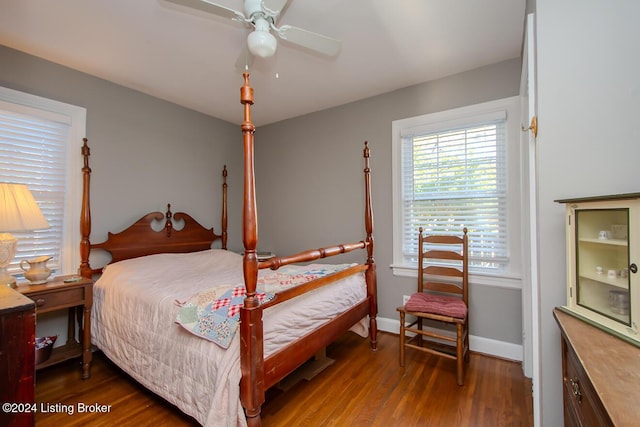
36,270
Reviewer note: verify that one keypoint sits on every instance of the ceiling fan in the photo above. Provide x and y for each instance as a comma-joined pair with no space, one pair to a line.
262,15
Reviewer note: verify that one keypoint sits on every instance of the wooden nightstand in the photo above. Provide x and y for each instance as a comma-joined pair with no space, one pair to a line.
76,296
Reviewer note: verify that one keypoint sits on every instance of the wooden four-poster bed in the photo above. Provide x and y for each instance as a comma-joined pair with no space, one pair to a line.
153,274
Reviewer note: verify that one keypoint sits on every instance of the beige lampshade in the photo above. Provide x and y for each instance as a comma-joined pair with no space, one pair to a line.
19,210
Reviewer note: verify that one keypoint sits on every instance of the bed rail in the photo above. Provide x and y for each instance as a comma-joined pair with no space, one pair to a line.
311,285
310,255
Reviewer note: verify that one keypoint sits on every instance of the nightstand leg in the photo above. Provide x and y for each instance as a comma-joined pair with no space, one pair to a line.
79,311
86,341
71,327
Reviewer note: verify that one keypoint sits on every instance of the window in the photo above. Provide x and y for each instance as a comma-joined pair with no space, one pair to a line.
452,170
40,142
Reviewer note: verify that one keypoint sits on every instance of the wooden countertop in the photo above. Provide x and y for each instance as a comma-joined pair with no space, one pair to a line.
12,300
612,364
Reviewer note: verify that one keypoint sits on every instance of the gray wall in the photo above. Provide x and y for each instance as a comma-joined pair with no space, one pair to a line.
588,141
308,166
145,152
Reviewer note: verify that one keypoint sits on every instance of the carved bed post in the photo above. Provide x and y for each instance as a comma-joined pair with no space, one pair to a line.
85,214
371,271
224,207
168,225
251,334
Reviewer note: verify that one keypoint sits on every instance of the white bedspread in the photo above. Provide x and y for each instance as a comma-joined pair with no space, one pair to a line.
133,323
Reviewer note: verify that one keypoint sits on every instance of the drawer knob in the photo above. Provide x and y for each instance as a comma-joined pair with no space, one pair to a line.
575,389
40,302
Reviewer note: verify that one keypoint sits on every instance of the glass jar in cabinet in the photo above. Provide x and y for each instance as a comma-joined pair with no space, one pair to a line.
602,262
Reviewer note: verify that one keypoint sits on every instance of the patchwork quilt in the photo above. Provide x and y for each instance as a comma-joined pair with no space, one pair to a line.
214,314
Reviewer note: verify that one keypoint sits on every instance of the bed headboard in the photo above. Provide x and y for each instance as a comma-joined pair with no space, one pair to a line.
142,238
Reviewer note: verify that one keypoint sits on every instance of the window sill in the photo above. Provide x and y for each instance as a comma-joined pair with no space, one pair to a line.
475,278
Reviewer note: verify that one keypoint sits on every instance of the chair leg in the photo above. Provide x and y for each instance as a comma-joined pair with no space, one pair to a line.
460,354
401,338
466,343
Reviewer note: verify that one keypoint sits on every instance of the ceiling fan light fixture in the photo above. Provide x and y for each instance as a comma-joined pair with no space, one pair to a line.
262,43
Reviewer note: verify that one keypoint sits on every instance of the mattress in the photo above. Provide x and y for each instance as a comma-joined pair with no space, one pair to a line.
135,306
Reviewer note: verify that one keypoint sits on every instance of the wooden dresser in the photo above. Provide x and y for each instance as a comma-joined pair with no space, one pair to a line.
17,358
600,375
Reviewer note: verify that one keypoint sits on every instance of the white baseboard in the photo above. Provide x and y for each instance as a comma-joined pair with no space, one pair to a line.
483,345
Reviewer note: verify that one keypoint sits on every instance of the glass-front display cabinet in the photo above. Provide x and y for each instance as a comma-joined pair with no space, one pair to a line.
602,262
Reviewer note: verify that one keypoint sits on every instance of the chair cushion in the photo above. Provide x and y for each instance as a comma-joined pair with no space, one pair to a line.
437,304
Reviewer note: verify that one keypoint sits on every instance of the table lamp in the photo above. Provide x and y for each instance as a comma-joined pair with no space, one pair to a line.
18,212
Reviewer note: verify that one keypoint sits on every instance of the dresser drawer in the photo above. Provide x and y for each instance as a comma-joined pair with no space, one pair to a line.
46,301
583,402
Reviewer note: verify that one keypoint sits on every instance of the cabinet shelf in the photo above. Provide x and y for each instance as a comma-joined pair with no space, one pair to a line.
612,242
618,282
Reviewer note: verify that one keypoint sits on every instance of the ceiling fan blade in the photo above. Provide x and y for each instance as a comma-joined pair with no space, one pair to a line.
245,59
273,7
314,41
210,7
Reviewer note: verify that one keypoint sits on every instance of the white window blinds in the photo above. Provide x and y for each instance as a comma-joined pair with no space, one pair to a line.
33,146
455,177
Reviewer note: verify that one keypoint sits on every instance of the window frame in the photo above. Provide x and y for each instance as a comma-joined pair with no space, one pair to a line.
26,103
444,120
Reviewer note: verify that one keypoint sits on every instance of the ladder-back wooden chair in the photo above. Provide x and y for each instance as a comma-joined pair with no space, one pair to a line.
443,296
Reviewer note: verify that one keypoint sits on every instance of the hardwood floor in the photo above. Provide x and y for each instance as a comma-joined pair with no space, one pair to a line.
362,388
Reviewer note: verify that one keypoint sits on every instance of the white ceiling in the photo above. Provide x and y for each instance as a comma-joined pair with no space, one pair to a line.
188,57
